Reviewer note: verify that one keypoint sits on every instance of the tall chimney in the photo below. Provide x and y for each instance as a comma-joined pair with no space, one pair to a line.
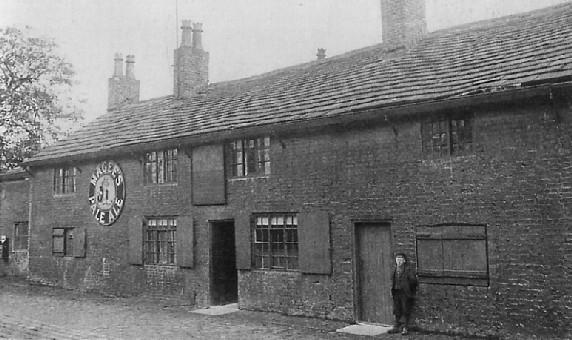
403,21
123,88
118,69
130,67
191,62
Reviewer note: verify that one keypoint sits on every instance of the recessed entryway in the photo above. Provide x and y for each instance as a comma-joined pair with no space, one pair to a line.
223,275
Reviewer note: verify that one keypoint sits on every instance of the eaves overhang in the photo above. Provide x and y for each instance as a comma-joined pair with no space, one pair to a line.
542,91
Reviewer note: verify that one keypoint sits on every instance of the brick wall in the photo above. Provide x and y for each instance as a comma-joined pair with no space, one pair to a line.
517,182
14,205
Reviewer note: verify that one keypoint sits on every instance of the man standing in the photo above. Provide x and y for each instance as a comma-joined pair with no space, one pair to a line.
403,290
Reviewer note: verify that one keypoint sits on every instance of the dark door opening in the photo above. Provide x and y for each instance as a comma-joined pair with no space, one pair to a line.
224,281
373,272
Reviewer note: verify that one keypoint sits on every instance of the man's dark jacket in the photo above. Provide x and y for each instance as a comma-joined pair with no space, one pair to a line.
408,284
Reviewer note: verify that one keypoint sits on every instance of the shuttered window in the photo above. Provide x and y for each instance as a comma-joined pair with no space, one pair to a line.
275,242
452,254
160,241
284,242
62,241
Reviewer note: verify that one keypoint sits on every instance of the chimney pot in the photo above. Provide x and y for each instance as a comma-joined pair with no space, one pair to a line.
118,69
321,54
197,36
187,34
129,66
123,89
191,62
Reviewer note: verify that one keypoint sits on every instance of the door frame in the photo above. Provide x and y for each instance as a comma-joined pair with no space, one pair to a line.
355,253
211,262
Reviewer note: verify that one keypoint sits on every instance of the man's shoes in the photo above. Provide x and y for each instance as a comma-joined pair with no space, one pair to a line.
404,331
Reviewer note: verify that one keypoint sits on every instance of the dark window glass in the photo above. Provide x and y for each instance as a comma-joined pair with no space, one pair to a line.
249,157
447,136
159,243
275,242
160,167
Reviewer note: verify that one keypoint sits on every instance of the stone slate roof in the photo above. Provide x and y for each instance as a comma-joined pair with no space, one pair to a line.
485,57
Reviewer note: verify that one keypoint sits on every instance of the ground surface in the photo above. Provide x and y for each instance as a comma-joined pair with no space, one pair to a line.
40,312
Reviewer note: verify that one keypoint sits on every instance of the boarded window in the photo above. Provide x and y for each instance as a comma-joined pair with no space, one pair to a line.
208,177
452,254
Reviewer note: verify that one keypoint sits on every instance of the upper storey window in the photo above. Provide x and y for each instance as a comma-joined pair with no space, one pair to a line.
447,136
160,166
249,157
65,180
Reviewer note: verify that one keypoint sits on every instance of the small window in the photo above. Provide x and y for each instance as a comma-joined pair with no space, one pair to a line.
160,167
447,136
65,180
159,241
21,235
452,254
62,241
249,157
275,242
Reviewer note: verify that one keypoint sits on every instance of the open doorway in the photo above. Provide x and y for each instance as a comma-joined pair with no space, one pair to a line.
223,276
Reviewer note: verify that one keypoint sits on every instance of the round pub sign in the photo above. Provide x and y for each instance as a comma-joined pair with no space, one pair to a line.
106,192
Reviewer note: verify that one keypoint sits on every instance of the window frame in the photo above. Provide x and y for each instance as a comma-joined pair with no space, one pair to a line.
448,135
65,180
17,243
249,157
449,233
161,166
152,247
290,262
67,236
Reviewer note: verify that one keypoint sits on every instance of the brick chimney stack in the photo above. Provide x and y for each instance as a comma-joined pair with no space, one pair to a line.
403,21
191,62
123,88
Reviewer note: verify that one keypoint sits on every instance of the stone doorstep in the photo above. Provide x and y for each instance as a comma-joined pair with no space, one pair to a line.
364,329
217,310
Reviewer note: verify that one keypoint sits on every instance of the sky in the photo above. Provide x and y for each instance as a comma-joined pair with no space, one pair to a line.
243,37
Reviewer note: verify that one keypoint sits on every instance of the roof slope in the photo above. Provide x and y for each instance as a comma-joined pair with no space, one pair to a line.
487,56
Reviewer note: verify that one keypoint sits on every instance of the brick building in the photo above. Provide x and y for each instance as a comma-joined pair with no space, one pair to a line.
290,191
14,214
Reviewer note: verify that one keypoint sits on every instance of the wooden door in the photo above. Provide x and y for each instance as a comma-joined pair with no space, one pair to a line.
374,265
